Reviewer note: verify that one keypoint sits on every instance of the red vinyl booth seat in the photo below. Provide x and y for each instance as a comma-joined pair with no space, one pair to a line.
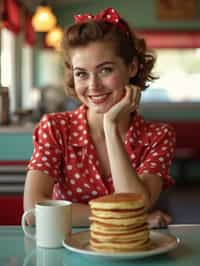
187,138
187,146
11,209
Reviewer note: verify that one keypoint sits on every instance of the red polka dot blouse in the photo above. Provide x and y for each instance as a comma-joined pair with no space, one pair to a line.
63,149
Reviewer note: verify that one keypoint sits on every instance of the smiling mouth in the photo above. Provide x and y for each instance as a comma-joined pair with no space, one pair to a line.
98,99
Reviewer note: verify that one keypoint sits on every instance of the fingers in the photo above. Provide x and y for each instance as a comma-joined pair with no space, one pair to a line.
126,105
167,218
158,219
138,97
134,92
129,92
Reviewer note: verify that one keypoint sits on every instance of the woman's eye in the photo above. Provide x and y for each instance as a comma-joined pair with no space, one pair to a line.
106,70
80,75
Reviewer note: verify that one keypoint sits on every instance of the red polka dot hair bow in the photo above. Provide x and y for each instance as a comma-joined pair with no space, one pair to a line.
109,15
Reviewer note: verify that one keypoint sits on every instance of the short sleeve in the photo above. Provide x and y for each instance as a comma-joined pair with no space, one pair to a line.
48,144
160,153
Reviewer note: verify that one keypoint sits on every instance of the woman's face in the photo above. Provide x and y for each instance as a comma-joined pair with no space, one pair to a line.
99,75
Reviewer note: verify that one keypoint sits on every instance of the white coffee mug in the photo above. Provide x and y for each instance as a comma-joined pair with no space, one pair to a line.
53,223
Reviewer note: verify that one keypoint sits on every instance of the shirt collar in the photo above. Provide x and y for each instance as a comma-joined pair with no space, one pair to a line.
79,135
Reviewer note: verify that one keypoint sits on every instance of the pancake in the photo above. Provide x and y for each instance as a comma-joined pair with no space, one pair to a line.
117,213
118,223
121,221
121,201
119,247
104,229
120,237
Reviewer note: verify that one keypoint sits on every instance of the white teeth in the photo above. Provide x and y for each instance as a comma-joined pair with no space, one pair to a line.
99,97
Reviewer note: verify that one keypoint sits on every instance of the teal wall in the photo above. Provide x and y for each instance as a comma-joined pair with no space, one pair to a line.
141,14
15,146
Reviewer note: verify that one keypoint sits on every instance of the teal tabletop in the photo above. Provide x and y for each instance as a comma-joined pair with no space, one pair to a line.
18,250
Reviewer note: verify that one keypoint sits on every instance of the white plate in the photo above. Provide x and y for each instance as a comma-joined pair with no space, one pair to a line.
160,243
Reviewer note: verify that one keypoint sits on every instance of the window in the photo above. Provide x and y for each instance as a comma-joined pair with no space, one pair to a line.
179,76
8,63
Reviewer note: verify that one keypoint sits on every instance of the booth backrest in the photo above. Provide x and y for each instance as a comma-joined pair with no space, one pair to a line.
187,134
11,209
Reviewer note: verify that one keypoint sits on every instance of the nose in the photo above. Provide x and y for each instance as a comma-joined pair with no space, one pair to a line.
94,82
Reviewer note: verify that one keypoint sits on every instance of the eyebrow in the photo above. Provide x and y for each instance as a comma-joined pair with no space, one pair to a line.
98,66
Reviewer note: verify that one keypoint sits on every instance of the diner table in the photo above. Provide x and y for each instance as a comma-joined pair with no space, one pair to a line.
18,250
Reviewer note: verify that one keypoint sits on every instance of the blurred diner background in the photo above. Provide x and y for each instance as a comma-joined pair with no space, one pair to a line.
32,83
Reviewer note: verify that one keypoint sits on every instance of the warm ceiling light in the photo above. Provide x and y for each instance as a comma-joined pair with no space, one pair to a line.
43,19
54,37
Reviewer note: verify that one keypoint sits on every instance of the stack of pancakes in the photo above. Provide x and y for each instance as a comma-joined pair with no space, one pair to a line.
118,223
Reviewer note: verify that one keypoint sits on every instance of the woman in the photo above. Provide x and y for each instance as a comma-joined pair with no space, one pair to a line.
104,146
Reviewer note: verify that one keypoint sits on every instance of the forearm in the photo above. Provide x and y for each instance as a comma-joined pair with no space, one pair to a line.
80,214
39,187
125,179
30,199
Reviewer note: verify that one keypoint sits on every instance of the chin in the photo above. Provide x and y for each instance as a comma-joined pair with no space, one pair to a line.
99,109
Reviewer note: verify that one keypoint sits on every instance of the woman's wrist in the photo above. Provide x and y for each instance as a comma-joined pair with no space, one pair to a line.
110,127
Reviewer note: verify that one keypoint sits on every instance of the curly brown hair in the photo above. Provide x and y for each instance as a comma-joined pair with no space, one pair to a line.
127,46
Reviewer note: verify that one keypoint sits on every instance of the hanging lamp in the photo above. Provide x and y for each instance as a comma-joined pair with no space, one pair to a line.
43,19
54,37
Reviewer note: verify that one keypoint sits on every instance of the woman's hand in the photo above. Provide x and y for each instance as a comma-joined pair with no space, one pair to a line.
158,219
129,103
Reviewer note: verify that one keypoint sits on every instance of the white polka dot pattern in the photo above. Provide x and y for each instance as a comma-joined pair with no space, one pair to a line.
158,159
63,149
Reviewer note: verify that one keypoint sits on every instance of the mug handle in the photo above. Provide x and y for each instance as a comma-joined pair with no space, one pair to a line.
26,228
